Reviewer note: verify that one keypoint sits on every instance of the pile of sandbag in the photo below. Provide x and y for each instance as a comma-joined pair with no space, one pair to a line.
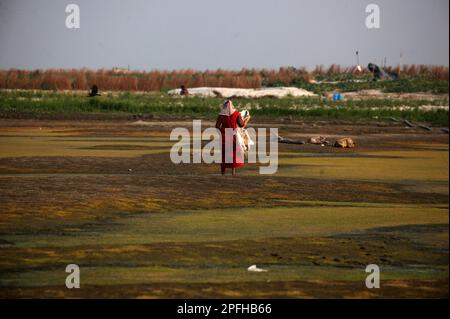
345,142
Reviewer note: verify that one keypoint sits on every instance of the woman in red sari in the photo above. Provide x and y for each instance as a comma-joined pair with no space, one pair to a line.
229,117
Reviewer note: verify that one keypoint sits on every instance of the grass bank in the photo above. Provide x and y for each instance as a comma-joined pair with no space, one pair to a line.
16,102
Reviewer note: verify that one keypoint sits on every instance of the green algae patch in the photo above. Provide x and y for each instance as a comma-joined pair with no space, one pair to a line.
248,223
389,166
51,146
146,275
110,200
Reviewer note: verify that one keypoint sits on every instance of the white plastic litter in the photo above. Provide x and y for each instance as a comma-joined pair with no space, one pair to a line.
256,269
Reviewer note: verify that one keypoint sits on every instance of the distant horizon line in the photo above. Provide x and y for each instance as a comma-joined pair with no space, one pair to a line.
309,69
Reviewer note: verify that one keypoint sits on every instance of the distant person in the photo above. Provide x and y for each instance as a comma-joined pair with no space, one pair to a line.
94,91
375,70
380,73
184,91
229,117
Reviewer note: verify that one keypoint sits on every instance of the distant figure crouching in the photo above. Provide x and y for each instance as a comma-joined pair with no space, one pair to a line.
94,91
184,91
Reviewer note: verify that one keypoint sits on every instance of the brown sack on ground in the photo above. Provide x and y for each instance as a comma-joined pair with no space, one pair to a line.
345,142
317,140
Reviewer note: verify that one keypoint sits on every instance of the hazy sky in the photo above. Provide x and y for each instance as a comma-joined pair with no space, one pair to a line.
230,34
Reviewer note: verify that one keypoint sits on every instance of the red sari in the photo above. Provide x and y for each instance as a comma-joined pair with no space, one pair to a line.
230,122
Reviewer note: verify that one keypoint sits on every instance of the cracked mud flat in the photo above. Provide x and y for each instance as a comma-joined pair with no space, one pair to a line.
67,195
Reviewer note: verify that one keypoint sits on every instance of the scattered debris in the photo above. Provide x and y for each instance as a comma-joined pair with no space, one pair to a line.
345,142
337,97
320,140
253,268
140,122
425,127
408,123
289,141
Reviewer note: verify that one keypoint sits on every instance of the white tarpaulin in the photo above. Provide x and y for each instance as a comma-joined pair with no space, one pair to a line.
246,93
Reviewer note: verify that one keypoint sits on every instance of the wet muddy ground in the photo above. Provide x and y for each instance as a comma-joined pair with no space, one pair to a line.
104,195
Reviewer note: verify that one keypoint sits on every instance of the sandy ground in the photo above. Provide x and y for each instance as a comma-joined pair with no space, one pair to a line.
104,195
